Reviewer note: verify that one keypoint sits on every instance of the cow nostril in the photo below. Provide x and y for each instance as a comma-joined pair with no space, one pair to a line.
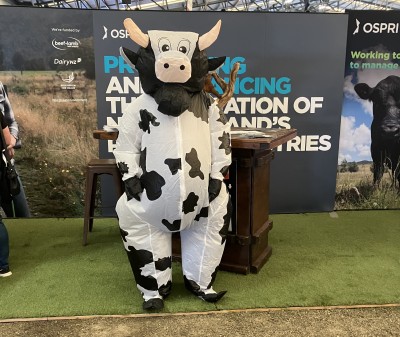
166,65
182,67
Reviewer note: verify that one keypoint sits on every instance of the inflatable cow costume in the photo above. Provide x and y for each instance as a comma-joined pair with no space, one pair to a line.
173,151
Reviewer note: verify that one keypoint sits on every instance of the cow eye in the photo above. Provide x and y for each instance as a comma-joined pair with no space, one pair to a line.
184,46
164,45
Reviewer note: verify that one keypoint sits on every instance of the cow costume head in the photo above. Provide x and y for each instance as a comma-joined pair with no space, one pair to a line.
171,65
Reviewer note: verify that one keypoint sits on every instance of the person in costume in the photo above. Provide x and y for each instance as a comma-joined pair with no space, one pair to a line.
173,150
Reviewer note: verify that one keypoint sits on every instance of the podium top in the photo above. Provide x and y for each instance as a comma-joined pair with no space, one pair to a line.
241,138
255,138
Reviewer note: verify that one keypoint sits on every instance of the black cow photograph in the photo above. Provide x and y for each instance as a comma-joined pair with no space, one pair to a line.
369,156
385,127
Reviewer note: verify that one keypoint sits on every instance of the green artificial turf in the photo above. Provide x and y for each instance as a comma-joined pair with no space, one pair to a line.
318,259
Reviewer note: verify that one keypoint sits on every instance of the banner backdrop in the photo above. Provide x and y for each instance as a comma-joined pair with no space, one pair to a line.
47,64
290,77
373,54
60,61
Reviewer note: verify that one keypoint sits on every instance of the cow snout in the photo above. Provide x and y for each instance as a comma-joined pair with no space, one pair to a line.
390,124
173,67
391,131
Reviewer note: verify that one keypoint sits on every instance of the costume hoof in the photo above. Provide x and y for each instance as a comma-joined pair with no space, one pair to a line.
153,304
165,290
194,288
213,297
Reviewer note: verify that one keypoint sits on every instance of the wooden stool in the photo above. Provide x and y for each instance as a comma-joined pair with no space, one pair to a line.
95,168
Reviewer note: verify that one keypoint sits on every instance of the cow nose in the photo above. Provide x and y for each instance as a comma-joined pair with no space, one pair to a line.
173,67
166,66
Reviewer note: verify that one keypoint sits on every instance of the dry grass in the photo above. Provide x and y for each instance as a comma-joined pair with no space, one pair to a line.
64,130
355,190
57,139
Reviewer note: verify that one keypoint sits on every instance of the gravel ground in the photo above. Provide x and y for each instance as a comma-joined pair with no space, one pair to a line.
371,322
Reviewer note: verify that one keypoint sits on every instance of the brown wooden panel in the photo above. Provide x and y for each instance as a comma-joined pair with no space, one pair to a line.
243,192
236,257
260,190
260,250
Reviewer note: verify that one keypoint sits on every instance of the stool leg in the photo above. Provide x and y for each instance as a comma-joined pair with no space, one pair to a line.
118,185
88,197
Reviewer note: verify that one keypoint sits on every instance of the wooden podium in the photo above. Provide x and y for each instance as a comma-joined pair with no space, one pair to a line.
247,248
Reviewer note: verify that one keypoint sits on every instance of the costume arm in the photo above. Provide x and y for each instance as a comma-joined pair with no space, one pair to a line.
220,149
8,113
127,152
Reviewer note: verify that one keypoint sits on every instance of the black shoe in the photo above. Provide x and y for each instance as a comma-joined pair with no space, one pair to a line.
4,272
194,288
212,297
153,304
165,290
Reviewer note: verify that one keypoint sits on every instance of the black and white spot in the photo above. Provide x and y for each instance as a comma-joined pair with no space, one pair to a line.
147,118
151,181
194,163
173,164
174,226
225,143
190,203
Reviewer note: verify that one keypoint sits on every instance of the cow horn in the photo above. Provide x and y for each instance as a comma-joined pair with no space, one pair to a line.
136,34
207,39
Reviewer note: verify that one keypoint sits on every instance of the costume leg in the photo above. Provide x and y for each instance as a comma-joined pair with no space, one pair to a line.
149,252
202,247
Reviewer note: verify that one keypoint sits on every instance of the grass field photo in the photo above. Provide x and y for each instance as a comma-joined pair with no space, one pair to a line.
56,123
355,190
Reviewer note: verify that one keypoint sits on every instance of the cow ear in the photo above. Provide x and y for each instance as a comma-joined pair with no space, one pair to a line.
363,90
215,63
207,39
129,56
135,33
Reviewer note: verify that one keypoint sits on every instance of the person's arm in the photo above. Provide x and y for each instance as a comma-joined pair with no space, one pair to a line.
8,138
9,116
